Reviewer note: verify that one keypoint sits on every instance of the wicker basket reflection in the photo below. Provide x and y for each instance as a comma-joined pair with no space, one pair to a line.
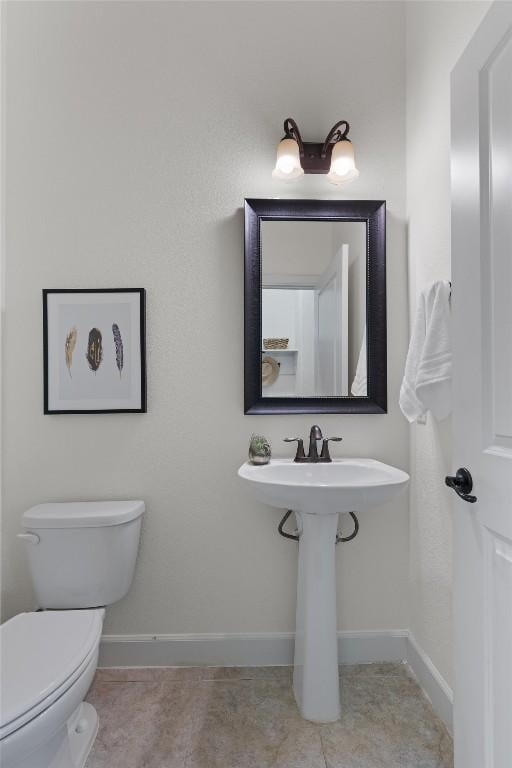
275,343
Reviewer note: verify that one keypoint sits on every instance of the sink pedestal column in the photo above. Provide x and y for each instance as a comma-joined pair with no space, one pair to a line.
316,676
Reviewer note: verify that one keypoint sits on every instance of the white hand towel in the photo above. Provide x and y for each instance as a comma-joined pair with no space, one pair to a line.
359,387
428,370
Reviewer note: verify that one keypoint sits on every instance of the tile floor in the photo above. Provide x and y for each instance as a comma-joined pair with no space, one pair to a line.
214,717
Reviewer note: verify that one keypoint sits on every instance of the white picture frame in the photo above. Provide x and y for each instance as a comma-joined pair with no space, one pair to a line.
94,350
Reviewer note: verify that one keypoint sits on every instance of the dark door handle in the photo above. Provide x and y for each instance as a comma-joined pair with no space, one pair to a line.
462,484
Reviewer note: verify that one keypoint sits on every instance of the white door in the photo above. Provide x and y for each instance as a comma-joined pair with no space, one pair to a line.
331,331
482,340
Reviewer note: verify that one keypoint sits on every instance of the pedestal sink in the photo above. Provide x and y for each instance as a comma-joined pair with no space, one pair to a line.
317,493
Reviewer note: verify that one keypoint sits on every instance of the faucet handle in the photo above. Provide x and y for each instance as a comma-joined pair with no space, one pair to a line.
325,455
300,455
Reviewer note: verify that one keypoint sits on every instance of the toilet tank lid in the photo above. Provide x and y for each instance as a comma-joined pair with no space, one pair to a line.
82,514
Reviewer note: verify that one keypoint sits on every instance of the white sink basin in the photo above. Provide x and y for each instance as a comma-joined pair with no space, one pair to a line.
345,485
317,493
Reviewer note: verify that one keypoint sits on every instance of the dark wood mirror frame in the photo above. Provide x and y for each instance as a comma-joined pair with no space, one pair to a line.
373,213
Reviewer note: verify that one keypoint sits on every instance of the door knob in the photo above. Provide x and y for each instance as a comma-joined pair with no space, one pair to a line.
462,484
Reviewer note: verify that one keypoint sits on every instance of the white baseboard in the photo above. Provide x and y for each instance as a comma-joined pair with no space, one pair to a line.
274,649
251,650
431,681
372,646
230,650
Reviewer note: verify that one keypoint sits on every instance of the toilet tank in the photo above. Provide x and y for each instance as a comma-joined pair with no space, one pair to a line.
82,554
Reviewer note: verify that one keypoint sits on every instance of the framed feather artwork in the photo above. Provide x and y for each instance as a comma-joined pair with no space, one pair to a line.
94,350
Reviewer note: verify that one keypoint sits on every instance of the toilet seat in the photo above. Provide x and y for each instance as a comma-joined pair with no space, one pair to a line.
47,653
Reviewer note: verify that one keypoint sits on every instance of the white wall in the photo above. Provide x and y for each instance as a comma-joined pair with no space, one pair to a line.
290,313
296,247
134,131
437,33
280,317
306,332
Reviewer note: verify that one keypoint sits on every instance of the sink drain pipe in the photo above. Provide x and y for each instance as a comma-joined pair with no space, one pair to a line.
296,537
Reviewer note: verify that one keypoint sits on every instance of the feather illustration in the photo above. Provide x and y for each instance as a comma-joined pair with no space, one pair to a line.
118,342
69,347
94,349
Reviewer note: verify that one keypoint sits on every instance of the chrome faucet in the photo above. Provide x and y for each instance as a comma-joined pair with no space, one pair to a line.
315,434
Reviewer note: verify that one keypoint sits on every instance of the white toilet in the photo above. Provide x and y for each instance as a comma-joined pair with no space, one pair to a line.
82,557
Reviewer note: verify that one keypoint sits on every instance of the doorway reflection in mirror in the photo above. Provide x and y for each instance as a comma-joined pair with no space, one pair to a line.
314,308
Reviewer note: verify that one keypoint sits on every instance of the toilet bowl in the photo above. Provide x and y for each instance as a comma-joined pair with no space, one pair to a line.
52,660
82,557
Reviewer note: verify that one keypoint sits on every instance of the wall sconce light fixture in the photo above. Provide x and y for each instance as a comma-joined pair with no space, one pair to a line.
335,156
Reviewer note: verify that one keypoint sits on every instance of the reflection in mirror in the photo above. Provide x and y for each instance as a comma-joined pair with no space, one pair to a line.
313,308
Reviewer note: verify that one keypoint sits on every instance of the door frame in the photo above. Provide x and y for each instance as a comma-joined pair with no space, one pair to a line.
337,269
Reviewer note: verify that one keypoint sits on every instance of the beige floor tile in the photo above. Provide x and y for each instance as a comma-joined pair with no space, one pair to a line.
142,725
246,717
252,724
124,675
378,668
247,673
178,674
148,674
386,721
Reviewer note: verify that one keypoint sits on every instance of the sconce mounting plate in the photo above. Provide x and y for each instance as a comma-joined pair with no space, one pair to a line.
316,159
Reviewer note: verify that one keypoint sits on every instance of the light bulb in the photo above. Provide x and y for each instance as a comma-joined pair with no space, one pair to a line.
285,164
288,165
343,165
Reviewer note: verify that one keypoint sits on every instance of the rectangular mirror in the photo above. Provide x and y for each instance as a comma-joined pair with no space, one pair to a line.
315,309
